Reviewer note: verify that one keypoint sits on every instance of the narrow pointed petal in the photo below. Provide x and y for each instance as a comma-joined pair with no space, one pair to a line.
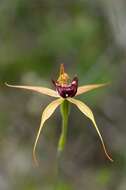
41,90
87,111
62,70
49,110
86,88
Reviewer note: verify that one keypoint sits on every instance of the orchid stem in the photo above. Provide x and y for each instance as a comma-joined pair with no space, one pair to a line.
62,141
65,115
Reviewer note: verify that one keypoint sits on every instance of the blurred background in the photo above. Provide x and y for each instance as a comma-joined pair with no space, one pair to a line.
89,37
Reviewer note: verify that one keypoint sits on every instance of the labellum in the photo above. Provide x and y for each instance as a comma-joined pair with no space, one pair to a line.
67,90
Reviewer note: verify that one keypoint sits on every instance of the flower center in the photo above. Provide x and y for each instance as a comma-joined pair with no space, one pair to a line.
64,89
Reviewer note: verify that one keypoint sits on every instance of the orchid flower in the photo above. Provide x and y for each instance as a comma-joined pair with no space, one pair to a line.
64,91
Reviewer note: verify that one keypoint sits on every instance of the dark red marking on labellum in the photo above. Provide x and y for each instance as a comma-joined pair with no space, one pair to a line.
65,90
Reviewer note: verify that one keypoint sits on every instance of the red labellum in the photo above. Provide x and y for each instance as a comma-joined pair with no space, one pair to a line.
67,90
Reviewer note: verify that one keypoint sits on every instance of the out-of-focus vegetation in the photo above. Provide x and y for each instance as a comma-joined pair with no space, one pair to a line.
90,38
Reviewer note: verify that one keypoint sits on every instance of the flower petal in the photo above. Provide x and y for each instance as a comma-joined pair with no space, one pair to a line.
87,111
41,90
86,88
45,115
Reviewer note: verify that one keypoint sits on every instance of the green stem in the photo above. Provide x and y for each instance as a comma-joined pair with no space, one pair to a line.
65,115
64,108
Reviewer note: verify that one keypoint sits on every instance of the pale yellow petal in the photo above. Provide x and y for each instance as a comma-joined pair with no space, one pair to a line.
86,88
87,111
39,89
45,115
